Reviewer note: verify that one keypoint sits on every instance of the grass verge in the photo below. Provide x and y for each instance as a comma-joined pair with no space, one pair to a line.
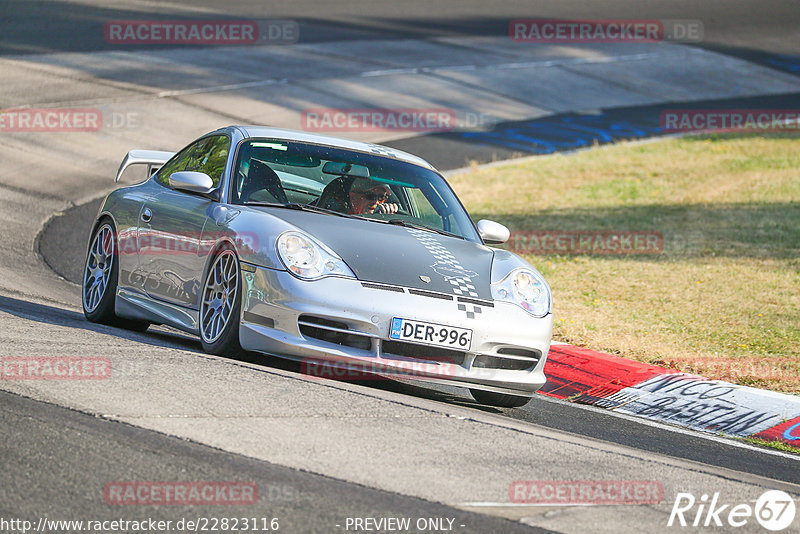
777,445
722,298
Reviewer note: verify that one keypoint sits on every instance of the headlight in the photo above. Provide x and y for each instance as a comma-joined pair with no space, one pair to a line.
307,259
525,288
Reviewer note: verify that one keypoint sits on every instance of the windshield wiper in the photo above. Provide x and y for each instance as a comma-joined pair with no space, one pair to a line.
409,224
300,207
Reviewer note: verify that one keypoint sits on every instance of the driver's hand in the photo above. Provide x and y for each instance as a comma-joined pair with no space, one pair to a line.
387,207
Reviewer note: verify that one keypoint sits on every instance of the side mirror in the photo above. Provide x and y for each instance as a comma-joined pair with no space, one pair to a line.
198,183
493,233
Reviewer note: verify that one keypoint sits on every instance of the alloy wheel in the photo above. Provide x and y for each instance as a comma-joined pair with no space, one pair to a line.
219,296
98,268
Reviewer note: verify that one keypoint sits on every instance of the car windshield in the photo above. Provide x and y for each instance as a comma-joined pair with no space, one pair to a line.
327,179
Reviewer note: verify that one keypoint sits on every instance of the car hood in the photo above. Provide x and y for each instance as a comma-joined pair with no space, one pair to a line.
397,255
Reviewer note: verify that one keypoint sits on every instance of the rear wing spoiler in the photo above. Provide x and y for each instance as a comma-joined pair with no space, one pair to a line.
154,159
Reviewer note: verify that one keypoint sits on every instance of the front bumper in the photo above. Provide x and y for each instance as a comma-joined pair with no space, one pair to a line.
346,322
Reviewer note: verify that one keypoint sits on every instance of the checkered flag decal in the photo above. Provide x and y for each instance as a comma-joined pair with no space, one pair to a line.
470,314
463,286
461,279
382,150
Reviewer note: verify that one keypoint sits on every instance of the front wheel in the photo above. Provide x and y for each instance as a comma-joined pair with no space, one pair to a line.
219,309
501,400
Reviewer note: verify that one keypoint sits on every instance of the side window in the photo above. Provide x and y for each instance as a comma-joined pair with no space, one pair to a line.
177,163
207,155
210,157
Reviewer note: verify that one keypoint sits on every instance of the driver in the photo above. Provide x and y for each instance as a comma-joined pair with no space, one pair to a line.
369,196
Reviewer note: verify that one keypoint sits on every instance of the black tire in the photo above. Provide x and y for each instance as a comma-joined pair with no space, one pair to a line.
500,400
102,310
226,341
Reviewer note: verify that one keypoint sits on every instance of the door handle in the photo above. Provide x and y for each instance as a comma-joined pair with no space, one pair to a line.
147,215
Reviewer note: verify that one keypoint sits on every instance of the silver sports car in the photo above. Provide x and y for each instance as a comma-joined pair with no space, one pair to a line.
334,252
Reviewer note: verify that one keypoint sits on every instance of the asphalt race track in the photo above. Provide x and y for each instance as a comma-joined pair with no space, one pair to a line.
86,450
323,451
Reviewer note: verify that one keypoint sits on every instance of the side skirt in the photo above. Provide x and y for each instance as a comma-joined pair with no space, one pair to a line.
134,305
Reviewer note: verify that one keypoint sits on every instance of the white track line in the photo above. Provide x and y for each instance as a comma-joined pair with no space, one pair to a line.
514,65
526,505
221,88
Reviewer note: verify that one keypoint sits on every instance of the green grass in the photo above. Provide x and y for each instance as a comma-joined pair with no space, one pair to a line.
778,445
722,299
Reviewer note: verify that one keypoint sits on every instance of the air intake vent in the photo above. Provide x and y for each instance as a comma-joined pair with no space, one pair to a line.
431,294
332,332
322,321
524,353
487,303
370,285
251,317
423,352
513,359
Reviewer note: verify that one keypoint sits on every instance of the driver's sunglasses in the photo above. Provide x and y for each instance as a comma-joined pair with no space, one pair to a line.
375,197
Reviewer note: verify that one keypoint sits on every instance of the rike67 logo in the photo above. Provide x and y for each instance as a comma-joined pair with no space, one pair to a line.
774,510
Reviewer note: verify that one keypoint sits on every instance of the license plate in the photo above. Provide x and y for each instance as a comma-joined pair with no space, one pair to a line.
438,335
